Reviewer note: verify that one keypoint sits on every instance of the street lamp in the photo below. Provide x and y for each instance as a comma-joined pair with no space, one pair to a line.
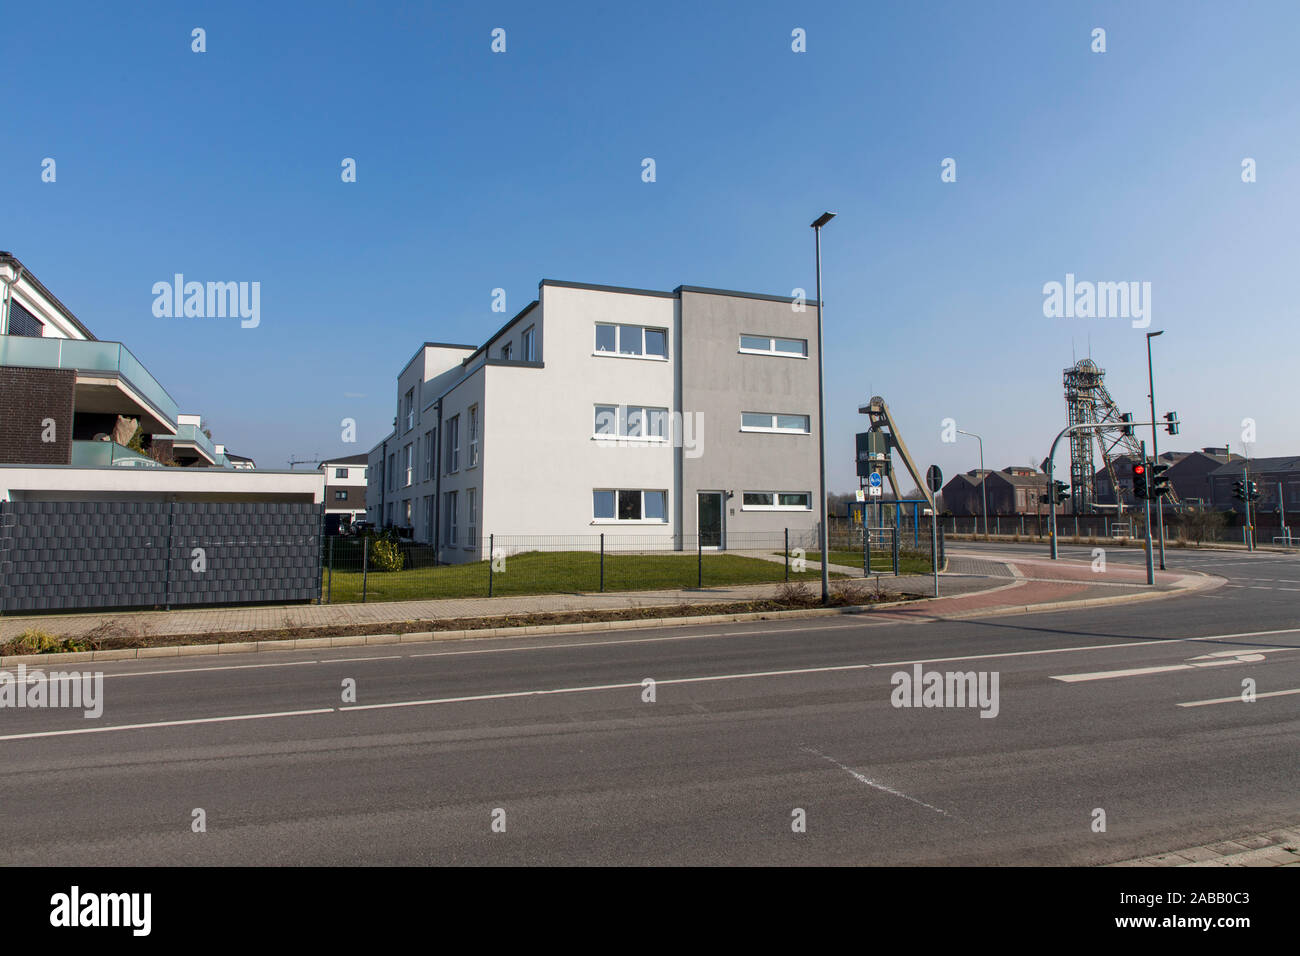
817,224
1155,446
984,502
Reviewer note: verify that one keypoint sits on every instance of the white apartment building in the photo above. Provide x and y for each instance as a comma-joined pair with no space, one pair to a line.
601,409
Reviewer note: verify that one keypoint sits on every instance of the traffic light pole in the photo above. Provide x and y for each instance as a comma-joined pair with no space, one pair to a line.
1051,467
1146,508
1155,453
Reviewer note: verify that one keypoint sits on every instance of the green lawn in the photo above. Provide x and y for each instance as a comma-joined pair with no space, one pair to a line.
553,572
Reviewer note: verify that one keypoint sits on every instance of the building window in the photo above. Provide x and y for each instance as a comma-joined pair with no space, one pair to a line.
428,455
773,422
471,518
530,344
410,408
473,436
453,444
410,465
505,352
629,505
449,521
22,322
772,345
776,501
340,472
634,341
631,421
392,472
406,512
340,496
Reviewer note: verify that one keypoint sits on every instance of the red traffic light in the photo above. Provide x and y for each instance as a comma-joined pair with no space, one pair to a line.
1139,469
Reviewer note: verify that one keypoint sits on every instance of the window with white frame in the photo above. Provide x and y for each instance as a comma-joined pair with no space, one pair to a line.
452,429
773,422
471,517
647,422
410,408
530,344
409,452
774,345
449,520
631,341
776,501
392,472
473,435
428,455
340,472
635,505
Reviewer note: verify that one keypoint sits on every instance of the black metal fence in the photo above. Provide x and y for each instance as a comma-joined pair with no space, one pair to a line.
1190,527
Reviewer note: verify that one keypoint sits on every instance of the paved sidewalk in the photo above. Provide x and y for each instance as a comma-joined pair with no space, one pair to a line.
1279,847
970,586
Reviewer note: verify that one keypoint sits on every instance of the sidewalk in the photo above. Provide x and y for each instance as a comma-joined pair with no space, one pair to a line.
1275,848
971,586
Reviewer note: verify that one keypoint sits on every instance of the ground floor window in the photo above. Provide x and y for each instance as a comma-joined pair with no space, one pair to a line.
776,501
623,504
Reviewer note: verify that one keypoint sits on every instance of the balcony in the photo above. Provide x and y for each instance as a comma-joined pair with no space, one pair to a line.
191,447
103,454
110,380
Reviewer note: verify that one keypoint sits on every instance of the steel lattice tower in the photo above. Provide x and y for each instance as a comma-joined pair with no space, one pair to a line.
1088,402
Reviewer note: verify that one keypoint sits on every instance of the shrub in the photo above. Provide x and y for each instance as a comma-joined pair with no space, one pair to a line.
35,641
795,592
385,556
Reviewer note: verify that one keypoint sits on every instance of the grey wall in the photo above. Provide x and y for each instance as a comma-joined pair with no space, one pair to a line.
720,382
63,555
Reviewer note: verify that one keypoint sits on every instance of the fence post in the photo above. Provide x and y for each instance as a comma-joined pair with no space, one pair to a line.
895,550
365,566
787,554
329,592
602,560
866,544
491,547
699,559
1022,526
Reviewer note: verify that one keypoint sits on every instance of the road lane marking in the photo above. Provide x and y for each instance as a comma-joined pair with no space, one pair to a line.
860,778
166,723
1238,699
233,667
1218,659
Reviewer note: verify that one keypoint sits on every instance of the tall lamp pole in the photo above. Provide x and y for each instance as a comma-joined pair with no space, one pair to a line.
822,220
984,502
1155,446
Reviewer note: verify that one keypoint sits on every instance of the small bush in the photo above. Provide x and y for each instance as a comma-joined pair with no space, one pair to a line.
795,592
36,641
386,556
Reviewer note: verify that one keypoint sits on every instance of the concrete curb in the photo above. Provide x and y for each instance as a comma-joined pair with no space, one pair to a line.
538,630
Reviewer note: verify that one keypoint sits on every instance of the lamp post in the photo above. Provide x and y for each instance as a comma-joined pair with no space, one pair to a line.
1155,446
984,502
817,224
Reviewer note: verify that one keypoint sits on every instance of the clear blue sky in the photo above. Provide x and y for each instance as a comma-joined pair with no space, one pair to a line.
478,170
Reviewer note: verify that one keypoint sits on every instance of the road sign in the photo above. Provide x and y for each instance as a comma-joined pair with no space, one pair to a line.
874,481
934,478
861,495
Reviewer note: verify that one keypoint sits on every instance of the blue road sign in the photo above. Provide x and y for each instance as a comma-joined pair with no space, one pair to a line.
874,480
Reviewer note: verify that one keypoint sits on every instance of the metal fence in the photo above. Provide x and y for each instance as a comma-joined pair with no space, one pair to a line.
366,568
1190,528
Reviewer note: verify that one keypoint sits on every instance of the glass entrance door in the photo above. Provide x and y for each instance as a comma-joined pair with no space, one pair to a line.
710,519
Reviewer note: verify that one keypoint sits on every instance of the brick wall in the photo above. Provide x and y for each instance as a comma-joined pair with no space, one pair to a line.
28,396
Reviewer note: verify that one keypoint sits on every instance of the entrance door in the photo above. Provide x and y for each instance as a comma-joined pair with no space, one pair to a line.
710,519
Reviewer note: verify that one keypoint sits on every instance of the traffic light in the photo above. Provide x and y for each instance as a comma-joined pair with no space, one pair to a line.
1159,481
1171,418
1061,491
1252,491
1127,419
1140,480
1239,490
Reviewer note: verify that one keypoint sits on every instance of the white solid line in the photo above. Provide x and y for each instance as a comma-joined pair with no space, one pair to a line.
1237,699
591,688
166,723
228,667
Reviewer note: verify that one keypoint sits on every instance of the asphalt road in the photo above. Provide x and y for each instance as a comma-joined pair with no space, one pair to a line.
749,723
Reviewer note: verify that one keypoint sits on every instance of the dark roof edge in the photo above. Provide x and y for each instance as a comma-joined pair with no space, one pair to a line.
501,331
433,345
40,287
705,290
592,287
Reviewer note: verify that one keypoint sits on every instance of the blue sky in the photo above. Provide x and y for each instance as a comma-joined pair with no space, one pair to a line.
478,170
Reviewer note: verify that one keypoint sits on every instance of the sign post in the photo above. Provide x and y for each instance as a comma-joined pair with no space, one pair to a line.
934,479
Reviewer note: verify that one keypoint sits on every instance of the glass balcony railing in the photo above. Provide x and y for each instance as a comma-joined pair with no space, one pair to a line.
191,433
90,357
98,454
